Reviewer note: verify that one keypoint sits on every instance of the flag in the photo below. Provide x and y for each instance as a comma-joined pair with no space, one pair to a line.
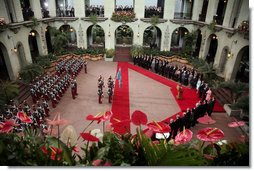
119,77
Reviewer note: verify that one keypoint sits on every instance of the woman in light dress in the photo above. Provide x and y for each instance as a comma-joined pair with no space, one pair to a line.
198,84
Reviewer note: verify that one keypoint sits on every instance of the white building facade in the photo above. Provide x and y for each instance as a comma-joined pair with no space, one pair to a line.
192,15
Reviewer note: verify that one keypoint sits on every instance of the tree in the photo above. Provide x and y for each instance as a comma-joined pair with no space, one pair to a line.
8,91
236,88
60,39
29,72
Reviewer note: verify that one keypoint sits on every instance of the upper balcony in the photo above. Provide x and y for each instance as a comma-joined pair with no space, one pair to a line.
153,11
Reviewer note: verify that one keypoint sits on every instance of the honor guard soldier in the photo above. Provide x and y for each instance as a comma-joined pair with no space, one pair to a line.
110,93
76,87
45,105
73,90
85,66
100,94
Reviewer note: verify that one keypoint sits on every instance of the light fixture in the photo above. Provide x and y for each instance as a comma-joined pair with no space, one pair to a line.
176,31
185,32
230,54
32,33
14,49
214,37
71,29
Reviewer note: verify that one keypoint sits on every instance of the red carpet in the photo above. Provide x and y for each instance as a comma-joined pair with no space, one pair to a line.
190,97
121,101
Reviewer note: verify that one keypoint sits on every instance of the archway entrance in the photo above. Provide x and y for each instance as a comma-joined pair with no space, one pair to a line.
123,39
212,48
198,43
32,38
95,36
152,37
243,65
71,32
48,40
4,74
3,68
177,39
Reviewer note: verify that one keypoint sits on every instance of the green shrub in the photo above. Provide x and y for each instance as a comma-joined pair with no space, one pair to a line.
43,61
110,53
29,72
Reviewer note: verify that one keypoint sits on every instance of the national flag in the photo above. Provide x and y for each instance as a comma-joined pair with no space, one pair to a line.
119,77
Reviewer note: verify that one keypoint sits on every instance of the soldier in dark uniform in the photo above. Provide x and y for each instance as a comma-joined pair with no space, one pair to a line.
110,93
201,89
73,93
45,106
100,94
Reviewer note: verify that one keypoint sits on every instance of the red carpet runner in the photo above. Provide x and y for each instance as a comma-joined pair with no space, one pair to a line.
121,101
190,97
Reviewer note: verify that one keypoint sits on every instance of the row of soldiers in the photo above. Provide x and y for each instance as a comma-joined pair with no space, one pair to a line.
101,85
37,113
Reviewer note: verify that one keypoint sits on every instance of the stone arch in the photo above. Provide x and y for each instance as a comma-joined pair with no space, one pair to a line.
152,37
241,66
124,35
34,42
177,38
21,55
95,36
71,33
212,45
223,59
6,71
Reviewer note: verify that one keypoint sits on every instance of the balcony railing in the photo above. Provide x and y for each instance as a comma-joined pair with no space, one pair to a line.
182,15
97,11
153,11
45,13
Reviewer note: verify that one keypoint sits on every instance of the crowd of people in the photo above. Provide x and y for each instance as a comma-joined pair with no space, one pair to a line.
185,76
124,8
151,11
49,87
67,11
110,91
95,10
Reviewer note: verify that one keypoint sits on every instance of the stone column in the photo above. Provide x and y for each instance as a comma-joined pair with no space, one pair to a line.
211,11
139,8
169,9
18,11
109,8
52,8
229,13
79,7
197,8
36,8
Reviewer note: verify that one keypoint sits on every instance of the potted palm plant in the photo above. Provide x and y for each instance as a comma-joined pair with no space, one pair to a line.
109,56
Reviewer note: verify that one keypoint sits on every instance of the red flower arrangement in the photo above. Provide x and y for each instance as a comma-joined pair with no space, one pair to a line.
89,137
24,118
55,152
120,16
210,134
7,126
183,137
139,118
159,127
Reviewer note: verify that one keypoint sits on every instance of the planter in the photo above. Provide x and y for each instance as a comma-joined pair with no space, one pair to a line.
108,59
230,111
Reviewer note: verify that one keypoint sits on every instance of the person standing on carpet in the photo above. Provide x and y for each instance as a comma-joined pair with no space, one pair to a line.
180,92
